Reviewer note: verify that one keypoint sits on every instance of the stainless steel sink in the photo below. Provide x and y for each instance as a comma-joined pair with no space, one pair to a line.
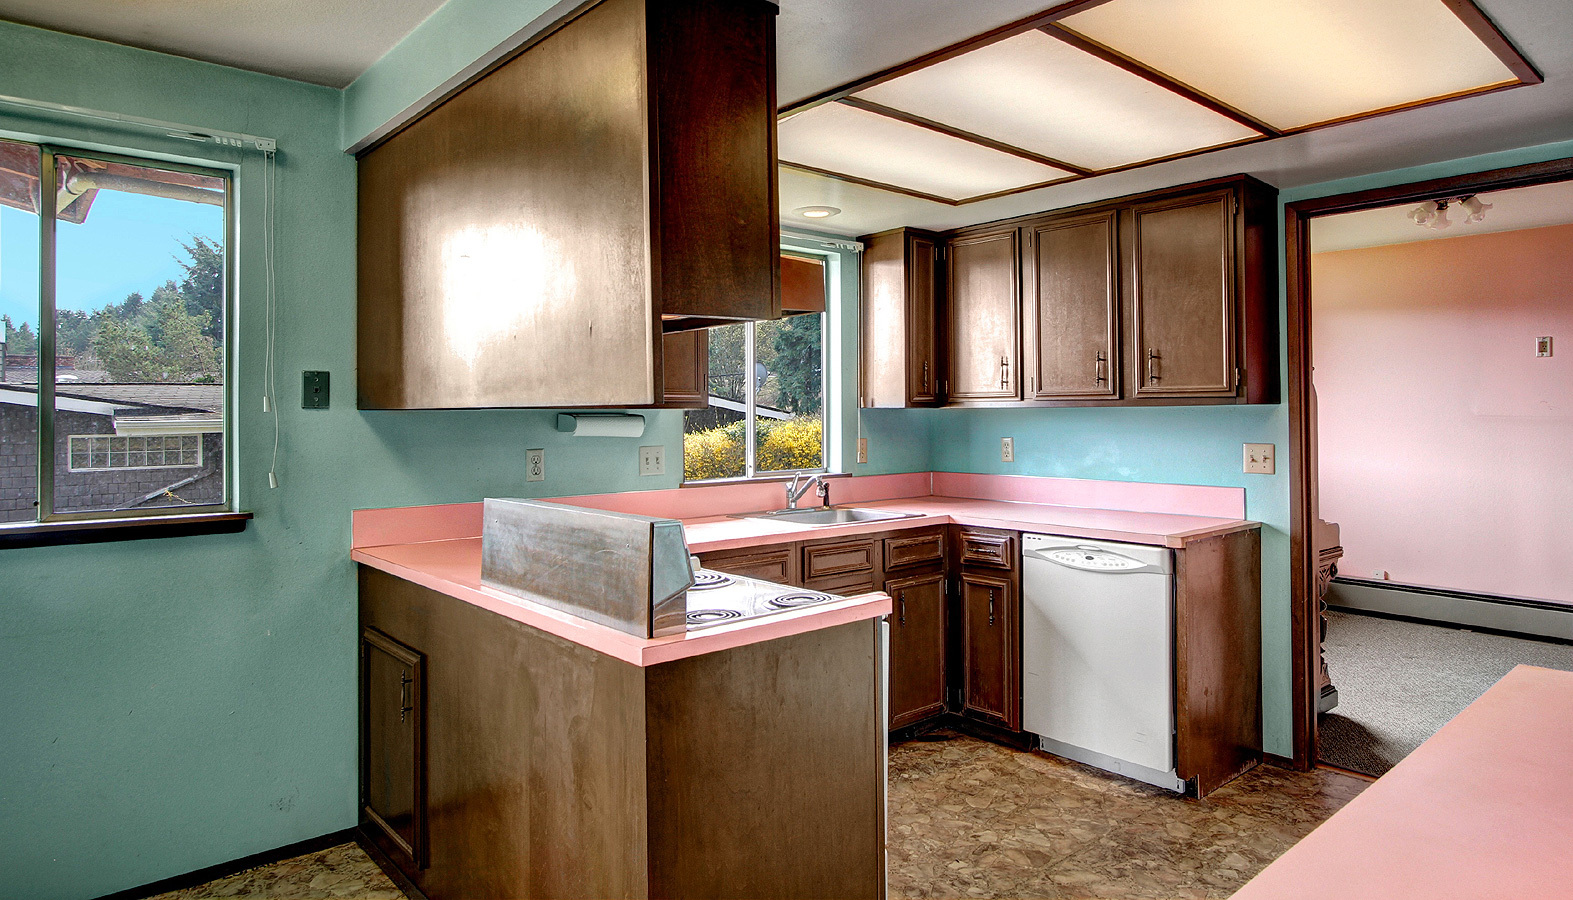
820,515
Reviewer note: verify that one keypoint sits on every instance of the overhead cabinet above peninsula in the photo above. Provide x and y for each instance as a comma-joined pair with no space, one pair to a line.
527,241
1163,298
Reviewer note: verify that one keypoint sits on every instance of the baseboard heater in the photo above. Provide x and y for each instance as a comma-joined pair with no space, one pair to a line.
1487,612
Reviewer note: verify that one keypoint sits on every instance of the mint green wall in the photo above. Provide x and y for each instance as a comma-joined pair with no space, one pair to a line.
172,704
1197,445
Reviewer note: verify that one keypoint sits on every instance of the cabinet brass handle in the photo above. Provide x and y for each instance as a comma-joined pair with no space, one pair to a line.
991,607
1004,372
404,694
1152,365
925,374
901,604
1098,373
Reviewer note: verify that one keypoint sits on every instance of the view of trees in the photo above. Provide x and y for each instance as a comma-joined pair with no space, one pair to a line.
176,336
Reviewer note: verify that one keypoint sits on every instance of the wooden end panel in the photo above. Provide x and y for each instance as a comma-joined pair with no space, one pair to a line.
916,549
882,372
520,804
839,558
1218,658
985,547
777,564
776,800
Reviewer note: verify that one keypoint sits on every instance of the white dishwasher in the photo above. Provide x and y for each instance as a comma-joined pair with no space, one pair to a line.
1097,637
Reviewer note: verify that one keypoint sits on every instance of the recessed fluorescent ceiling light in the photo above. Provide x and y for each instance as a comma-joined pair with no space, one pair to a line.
874,148
816,212
1295,63
1040,94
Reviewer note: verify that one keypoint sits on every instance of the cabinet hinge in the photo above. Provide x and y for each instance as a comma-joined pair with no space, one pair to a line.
1234,204
1239,377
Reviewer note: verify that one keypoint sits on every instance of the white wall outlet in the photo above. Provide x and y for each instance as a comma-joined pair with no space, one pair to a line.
1543,346
1007,449
535,465
1379,574
652,460
1259,459
862,450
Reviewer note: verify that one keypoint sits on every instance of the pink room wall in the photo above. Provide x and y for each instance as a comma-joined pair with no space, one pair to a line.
1446,445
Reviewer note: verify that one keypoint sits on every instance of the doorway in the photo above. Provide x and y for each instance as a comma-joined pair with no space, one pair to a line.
1361,253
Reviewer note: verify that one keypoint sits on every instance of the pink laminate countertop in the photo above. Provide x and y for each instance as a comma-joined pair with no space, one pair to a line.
1484,809
1160,529
453,567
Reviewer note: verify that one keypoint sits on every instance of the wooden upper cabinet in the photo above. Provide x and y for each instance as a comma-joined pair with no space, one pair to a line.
900,345
1183,296
526,242
1073,307
984,303
685,369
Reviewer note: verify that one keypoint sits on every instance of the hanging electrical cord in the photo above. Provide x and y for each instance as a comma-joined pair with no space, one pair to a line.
270,400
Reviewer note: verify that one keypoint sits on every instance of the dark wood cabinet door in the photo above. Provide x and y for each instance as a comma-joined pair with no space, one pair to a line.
923,372
685,369
984,305
393,765
917,648
991,679
1183,296
1073,296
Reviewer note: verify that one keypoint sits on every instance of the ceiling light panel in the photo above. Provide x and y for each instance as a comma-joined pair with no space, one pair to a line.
1294,63
1040,94
860,144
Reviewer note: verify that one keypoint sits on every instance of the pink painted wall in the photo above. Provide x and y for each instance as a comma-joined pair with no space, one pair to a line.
1446,445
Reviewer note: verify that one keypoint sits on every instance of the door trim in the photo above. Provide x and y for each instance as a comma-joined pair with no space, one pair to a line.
1304,616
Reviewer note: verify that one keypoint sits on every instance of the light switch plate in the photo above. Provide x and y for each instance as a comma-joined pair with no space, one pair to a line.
535,465
862,450
1007,449
1543,346
652,460
1259,459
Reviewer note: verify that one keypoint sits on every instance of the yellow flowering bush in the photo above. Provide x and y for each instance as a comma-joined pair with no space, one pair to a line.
783,446
714,453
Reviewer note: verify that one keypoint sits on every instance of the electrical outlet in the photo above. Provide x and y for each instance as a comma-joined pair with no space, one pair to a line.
1543,346
314,390
1007,449
535,465
652,460
862,450
1379,574
1259,459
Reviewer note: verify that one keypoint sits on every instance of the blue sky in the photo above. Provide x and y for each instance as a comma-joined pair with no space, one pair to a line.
129,243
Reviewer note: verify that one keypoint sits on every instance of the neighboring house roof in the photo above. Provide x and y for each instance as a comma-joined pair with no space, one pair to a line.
129,399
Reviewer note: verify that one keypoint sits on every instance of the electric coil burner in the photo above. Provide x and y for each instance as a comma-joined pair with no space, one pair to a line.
798,599
702,617
705,580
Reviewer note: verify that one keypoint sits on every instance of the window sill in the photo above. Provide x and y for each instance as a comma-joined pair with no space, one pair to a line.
764,479
94,531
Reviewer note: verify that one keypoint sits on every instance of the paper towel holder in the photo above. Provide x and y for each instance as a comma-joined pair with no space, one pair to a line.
623,425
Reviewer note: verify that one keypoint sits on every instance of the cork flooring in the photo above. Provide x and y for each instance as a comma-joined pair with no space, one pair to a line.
973,819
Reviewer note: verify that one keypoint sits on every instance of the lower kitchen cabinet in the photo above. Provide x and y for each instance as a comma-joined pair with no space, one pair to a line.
393,745
917,647
991,648
777,564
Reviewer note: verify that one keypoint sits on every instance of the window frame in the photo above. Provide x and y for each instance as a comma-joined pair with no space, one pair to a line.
49,525
750,417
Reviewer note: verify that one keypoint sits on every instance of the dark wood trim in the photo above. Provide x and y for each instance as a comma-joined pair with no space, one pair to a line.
1476,20
137,528
235,866
879,109
1148,73
1405,107
1347,772
993,35
865,182
1273,759
1304,616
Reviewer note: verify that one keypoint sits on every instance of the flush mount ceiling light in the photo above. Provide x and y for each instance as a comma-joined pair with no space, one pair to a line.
816,212
1433,213
1095,86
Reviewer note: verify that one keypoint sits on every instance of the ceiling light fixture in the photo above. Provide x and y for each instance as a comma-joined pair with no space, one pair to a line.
816,212
1433,213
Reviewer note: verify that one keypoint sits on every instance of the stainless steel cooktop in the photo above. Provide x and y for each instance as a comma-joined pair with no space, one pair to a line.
717,598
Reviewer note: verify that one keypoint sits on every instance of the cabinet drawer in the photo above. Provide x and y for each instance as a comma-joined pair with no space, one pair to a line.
849,585
988,548
840,558
910,550
766,565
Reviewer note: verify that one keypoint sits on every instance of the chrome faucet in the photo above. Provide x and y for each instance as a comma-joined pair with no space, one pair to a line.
795,493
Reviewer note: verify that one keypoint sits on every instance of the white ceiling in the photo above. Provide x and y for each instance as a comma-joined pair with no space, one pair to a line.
321,41
1515,210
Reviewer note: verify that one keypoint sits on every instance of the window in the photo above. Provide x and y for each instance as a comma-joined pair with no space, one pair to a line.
115,313
767,398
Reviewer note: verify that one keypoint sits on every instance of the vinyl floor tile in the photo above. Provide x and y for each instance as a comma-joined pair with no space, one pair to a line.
344,872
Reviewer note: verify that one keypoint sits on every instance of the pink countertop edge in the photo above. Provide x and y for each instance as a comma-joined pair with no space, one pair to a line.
453,567
1482,809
